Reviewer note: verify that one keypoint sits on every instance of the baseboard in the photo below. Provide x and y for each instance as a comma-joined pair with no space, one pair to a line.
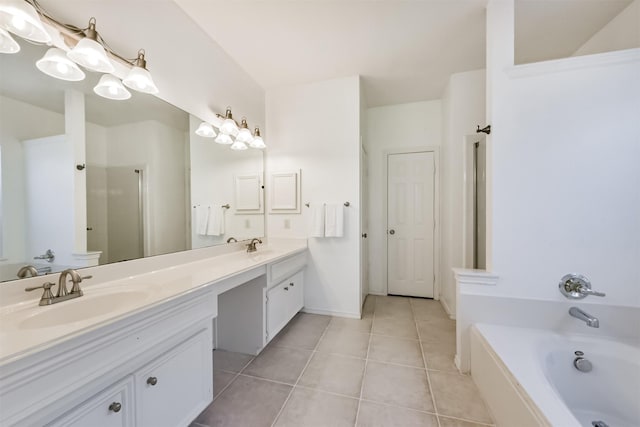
380,294
447,309
456,361
330,313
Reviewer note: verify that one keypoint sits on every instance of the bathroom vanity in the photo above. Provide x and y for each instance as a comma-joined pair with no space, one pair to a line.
138,350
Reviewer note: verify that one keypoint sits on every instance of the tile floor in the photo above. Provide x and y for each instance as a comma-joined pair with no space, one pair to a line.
392,368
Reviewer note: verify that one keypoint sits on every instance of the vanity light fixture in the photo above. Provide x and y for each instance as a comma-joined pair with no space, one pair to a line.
90,53
238,145
7,43
205,130
111,87
223,139
56,64
257,141
244,134
229,126
21,18
139,78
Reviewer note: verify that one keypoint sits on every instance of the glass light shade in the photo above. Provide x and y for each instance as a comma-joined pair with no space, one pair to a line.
20,18
111,88
244,135
216,122
140,79
56,64
91,55
7,43
205,130
257,142
239,145
229,127
223,139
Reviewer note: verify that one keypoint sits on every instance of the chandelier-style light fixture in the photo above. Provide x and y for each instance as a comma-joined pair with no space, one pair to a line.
23,18
239,137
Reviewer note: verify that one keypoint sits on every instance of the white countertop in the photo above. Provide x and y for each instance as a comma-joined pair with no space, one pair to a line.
26,327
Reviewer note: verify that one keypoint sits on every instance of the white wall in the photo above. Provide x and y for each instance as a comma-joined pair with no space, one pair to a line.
463,110
315,128
622,32
563,157
412,125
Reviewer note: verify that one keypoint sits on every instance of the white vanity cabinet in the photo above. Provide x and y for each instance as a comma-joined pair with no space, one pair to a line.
284,295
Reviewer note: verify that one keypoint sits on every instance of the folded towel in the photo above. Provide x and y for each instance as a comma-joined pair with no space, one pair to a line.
202,216
334,220
215,223
317,220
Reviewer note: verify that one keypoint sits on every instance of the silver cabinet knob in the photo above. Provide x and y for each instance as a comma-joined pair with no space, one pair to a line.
115,407
392,231
152,380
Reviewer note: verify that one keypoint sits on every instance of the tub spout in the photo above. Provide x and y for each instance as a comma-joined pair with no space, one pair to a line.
591,321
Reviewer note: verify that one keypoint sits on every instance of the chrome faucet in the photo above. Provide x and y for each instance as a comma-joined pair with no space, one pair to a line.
29,270
577,286
591,321
63,294
49,256
251,247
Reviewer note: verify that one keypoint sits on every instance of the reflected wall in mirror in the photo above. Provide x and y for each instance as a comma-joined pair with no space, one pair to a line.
96,181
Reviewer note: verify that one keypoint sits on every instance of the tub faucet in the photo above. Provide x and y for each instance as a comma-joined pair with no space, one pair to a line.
591,321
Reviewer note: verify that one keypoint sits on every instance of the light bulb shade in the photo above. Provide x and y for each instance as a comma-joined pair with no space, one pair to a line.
91,55
7,43
111,88
20,18
217,121
140,79
223,139
257,142
239,145
205,130
244,135
56,64
229,127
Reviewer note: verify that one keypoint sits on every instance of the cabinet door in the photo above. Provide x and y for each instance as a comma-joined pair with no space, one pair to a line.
173,389
296,294
283,302
112,407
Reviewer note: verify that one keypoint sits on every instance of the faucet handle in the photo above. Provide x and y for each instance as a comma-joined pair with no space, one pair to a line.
47,295
576,286
75,289
588,291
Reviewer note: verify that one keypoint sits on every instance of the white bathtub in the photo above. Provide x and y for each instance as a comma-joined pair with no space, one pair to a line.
527,377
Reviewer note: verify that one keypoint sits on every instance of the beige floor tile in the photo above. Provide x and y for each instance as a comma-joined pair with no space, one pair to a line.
246,402
396,350
334,373
378,415
220,380
393,326
359,325
369,305
346,342
425,309
437,330
439,356
314,408
229,361
397,385
457,396
453,422
304,331
279,364
398,307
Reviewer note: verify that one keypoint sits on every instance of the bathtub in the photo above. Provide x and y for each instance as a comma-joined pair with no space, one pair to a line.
528,378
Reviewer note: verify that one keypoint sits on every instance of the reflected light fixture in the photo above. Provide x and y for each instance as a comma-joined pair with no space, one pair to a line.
21,18
223,139
238,145
111,88
56,64
244,134
229,126
90,53
139,78
257,141
7,43
205,130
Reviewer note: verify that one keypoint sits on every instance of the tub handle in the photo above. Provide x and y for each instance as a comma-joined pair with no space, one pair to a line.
577,286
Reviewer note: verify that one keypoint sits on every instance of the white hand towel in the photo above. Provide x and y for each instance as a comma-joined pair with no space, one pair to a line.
317,220
215,225
334,220
202,216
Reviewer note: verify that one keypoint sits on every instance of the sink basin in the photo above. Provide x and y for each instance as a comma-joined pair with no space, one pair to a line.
83,308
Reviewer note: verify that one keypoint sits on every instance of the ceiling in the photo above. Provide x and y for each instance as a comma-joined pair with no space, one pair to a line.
405,50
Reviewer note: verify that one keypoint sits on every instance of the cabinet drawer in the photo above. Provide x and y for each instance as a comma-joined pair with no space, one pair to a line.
278,271
172,390
283,302
112,407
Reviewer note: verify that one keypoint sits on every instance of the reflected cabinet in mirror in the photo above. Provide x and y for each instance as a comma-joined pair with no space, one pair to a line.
87,181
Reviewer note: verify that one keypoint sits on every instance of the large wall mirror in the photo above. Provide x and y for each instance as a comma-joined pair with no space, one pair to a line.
147,186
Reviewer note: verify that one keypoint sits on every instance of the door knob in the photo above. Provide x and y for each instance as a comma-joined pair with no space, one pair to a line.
392,231
364,235
115,407
152,380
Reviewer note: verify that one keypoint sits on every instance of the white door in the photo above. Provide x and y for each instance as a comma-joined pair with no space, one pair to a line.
364,226
411,224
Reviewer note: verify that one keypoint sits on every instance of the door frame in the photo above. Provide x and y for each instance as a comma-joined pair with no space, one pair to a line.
437,245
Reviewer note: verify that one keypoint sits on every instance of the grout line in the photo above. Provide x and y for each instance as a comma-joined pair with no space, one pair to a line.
391,405
366,362
466,420
266,379
237,374
301,374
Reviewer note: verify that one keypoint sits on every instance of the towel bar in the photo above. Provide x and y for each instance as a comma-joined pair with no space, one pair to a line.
347,204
